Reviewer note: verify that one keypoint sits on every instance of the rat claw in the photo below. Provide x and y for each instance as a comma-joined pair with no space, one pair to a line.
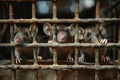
39,58
103,41
70,59
18,60
81,59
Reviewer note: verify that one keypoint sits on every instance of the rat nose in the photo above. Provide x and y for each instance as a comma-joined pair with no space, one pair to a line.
88,34
62,37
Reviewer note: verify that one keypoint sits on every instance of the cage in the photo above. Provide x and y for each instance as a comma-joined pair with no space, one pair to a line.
35,14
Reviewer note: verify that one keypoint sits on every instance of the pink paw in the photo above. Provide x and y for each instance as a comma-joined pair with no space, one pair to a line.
39,58
18,60
70,59
81,59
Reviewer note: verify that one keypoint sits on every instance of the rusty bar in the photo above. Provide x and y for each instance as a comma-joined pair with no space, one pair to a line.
35,52
54,10
96,57
76,75
54,49
11,16
97,15
76,9
60,67
91,20
76,41
59,74
35,55
33,10
97,10
11,31
34,45
96,75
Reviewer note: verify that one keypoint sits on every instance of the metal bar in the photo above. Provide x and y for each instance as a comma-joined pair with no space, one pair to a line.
54,10
97,20
33,10
11,16
54,49
96,56
76,41
60,67
97,12
76,75
76,9
60,45
35,29
96,75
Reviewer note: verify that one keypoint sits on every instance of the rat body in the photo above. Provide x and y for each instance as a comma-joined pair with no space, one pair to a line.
94,35
64,34
23,35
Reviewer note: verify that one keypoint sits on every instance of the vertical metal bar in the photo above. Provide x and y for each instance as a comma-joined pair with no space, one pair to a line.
76,16
54,9
33,10
97,12
76,9
59,77
96,63
76,41
96,56
96,75
13,75
34,32
76,75
54,49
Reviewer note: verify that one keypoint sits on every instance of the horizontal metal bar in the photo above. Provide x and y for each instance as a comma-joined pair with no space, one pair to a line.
96,20
98,67
60,45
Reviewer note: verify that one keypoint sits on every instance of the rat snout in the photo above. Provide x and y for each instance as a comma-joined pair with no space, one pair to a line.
61,37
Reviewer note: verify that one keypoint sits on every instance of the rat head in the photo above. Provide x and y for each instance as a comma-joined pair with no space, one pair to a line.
64,34
89,35
23,34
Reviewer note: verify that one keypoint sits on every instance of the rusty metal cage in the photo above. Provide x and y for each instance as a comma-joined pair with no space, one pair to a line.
75,66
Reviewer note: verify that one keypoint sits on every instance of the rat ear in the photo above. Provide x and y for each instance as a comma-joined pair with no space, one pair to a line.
71,29
47,28
33,27
15,28
81,30
100,29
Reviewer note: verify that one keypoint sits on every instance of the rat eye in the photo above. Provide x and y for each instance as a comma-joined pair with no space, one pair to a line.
25,33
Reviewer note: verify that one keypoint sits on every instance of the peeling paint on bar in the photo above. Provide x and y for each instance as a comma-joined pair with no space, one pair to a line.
97,20
60,45
98,67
